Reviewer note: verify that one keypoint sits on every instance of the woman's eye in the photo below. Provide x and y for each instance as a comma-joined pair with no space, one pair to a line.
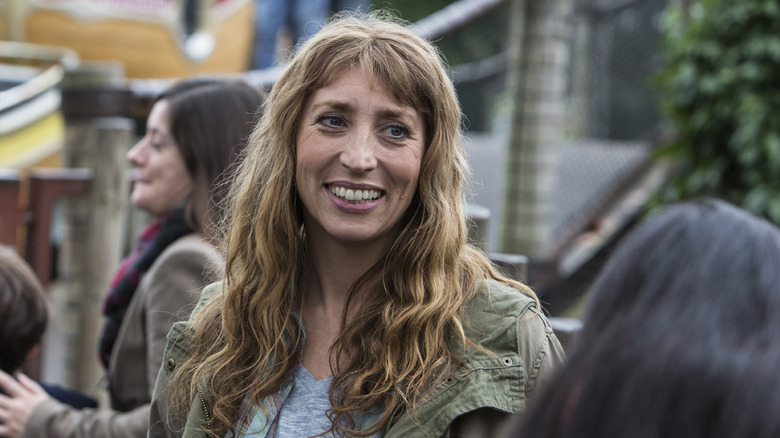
331,121
397,131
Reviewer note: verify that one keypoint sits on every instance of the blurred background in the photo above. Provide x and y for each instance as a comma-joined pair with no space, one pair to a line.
580,116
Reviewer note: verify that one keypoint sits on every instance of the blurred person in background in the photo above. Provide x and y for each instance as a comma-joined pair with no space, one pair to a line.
302,18
24,317
196,132
680,338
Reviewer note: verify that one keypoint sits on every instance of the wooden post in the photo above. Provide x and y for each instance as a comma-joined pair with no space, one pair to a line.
10,218
46,186
537,81
92,249
95,224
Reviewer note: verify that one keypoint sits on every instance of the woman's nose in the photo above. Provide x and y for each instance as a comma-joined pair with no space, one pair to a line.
136,153
359,154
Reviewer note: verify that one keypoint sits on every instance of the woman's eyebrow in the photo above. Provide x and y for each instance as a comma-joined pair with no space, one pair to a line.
333,104
393,113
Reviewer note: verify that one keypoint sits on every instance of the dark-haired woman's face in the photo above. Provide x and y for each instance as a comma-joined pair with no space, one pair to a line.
359,153
161,180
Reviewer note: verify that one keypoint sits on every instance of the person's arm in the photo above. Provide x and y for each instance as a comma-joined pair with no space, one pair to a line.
162,423
28,412
18,399
174,287
52,419
158,413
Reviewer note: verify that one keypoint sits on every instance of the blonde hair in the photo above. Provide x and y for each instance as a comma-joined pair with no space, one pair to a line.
247,338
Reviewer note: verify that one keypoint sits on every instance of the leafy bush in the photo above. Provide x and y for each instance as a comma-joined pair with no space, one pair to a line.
721,89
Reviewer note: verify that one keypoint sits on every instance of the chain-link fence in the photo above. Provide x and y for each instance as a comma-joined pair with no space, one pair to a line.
611,118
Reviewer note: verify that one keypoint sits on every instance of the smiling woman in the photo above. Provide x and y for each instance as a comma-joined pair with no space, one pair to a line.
352,304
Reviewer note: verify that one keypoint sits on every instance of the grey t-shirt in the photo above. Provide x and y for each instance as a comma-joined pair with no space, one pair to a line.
303,412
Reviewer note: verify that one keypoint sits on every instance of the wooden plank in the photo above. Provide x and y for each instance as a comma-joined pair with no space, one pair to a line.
46,186
10,213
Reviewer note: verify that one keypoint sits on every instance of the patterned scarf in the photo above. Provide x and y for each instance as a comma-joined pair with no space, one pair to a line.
151,242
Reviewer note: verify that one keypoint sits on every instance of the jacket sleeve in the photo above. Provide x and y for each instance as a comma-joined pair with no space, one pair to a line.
539,348
53,419
541,353
174,289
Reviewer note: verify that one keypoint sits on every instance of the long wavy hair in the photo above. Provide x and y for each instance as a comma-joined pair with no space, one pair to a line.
411,328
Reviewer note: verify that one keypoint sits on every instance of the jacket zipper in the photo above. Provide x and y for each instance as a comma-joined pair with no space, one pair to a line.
205,409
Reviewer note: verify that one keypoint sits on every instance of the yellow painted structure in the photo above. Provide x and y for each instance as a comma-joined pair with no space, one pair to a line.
152,38
38,144
32,127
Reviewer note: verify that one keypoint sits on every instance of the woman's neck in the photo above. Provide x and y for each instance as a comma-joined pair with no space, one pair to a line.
331,273
333,269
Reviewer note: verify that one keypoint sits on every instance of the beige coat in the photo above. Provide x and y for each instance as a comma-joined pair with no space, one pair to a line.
167,293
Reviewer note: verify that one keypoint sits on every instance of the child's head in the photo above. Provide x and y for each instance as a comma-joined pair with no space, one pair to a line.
24,311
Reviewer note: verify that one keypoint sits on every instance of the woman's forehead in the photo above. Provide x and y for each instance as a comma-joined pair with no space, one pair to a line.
402,88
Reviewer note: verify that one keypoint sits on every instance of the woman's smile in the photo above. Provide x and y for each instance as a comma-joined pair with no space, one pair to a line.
354,196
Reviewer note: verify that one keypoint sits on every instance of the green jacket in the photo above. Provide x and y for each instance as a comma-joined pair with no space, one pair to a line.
521,350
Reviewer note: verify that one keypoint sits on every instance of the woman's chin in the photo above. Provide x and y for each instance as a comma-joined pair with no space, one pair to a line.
142,204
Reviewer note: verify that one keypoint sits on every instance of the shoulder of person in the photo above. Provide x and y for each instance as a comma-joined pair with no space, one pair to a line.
191,254
182,330
193,245
492,383
178,338
506,324
499,300
208,294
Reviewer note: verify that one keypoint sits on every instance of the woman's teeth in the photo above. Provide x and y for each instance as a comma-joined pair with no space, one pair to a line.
356,196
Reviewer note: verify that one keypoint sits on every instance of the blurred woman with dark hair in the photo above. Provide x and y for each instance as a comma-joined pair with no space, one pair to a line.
196,130
680,335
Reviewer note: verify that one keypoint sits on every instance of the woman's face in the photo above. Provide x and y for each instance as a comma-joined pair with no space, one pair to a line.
359,154
161,180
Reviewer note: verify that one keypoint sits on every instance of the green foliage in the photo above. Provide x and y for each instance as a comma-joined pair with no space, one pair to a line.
721,88
481,38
